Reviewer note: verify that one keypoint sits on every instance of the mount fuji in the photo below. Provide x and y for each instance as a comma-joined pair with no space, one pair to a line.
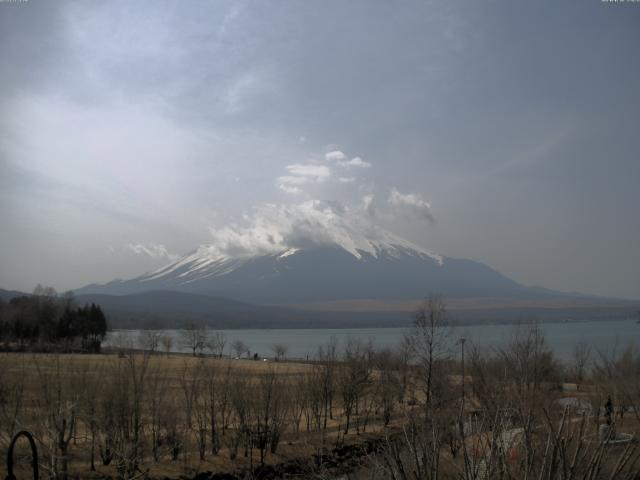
322,254
319,264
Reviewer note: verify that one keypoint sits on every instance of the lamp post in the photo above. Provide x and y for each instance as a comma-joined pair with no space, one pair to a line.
462,341
461,414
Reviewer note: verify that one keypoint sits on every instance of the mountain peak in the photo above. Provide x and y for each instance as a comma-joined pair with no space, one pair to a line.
316,251
283,231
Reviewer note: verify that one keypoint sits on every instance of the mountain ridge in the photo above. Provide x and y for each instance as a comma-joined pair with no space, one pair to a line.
319,252
322,273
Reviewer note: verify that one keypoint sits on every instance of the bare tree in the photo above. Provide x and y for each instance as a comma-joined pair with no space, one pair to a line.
61,403
618,377
528,359
239,348
239,399
430,342
133,430
223,398
280,351
581,357
91,385
172,427
388,385
267,414
167,343
201,407
149,341
216,342
316,392
190,385
194,338
156,405
121,342
12,395
122,414
214,386
299,399
353,376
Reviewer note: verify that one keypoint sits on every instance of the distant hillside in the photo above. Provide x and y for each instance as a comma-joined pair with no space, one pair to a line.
170,309
167,309
7,295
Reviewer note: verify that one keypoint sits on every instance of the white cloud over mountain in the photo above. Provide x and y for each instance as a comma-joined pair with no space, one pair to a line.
335,156
351,223
411,203
273,229
355,162
152,249
367,205
341,159
301,174
315,172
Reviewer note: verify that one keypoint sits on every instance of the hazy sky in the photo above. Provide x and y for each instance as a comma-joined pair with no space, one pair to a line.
507,132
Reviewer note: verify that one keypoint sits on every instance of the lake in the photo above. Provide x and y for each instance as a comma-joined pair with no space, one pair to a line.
561,337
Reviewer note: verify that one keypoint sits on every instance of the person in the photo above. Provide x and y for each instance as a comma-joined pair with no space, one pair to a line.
608,410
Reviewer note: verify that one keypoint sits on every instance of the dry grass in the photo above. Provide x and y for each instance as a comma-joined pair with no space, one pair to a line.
77,372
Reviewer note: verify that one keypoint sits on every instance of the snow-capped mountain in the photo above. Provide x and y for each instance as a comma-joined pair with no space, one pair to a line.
319,274
326,255
207,262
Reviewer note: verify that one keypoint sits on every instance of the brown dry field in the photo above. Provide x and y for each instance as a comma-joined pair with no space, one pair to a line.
80,370
174,362
30,367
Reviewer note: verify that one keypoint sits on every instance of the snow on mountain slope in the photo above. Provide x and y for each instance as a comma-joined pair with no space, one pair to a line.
312,252
324,224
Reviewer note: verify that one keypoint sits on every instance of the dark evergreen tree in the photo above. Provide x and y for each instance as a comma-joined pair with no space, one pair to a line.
47,321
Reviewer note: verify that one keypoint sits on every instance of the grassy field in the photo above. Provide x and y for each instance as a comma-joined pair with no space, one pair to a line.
43,390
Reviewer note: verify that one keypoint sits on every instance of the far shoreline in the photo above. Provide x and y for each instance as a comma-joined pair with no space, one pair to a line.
409,325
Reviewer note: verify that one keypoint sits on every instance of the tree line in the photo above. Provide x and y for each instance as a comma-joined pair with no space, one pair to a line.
46,321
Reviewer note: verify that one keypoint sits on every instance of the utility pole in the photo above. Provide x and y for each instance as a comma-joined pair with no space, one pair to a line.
461,423
462,341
